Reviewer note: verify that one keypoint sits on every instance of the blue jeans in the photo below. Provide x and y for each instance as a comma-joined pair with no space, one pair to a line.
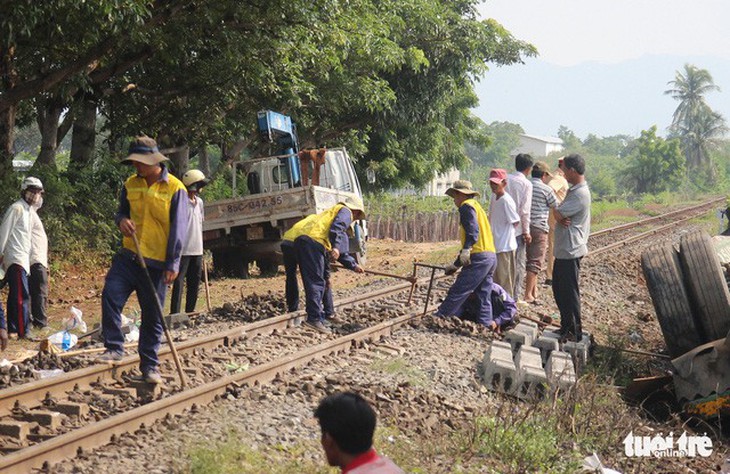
125,276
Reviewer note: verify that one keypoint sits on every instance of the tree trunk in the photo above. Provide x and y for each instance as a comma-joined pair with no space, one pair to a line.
180,158
204,161
48,116
83,138
8,78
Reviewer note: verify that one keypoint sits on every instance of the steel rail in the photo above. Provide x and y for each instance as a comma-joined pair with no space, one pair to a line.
97,434
33,393
630,225
640,236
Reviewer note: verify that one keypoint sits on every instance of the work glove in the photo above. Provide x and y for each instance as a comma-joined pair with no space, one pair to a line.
450,269
465,257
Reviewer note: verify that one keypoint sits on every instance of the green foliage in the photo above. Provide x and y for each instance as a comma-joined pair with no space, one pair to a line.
79,208
385,204
503,138
654,165
233,455
529,446
694,122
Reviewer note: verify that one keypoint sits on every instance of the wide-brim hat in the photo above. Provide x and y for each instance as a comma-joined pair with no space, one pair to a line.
143,149
354,203
461,186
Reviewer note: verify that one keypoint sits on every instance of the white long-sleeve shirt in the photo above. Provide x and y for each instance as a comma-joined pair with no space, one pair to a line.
193,244
38,240
520,189
15,236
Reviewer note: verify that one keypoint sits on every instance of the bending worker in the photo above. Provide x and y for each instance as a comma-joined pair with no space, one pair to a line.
477,257
153,207
291,265
325,236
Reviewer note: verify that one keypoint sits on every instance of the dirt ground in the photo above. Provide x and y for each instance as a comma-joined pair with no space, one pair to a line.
81,286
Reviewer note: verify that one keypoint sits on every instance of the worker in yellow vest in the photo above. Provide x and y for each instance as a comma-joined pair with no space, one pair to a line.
153,206
477,257
323,237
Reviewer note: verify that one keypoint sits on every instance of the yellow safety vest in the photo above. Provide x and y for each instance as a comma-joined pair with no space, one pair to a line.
296,230
318,228
149,209
485,241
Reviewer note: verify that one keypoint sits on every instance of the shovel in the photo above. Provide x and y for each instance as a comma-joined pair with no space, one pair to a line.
159,311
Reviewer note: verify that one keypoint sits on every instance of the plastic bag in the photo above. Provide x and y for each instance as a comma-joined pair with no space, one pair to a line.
57,340
132,335
75,321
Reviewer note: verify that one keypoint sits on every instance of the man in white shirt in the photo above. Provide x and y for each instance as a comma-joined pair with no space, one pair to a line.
504,220
519,187
15,238
191,260
38,278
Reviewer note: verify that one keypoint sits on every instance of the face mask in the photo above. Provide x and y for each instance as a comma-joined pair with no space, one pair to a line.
38,204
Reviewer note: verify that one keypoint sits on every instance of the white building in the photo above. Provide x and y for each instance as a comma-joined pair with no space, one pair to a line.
443,181
436,187
538,147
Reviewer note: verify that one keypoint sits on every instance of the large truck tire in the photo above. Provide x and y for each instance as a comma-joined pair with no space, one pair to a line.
665,282
706,285
229,263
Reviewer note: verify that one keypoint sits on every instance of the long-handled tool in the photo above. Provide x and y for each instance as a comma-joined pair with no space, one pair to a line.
207,287
389,275
160,311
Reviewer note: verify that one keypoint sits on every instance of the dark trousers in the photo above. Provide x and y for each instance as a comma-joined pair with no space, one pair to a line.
312,257
291,264
290,269
38,288
190,268
124,277
477,278
18,300
566,274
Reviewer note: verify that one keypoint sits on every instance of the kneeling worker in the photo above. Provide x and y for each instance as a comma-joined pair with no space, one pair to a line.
504,309
325,235
477,256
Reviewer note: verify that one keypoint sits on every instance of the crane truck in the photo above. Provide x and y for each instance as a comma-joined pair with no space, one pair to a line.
283,189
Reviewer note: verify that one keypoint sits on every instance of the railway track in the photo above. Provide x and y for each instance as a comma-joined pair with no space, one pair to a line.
84,428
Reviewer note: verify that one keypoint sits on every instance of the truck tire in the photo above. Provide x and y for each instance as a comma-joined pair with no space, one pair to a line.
705,282
664,280
230,263
268,267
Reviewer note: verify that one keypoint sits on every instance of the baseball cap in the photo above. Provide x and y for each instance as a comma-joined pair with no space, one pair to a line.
497,175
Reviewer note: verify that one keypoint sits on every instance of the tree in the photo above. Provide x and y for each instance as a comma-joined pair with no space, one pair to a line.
503,138
655,164
694,122
571,142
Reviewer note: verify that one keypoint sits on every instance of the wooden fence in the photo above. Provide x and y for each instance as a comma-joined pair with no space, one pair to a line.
420,227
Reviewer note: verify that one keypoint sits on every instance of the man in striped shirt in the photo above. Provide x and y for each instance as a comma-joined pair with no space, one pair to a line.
543,199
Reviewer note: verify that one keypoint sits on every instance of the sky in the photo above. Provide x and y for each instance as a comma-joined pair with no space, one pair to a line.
603,64
568,32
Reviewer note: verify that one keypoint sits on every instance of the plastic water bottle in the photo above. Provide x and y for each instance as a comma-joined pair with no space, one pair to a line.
66,341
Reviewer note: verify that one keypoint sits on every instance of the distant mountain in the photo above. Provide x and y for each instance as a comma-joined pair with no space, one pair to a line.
603,99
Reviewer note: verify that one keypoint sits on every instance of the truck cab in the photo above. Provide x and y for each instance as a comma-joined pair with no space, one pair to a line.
284,188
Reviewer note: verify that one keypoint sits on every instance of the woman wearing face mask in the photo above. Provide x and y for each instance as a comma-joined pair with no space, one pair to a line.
15,246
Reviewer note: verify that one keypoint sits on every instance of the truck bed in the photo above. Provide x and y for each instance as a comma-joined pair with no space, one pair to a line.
270,207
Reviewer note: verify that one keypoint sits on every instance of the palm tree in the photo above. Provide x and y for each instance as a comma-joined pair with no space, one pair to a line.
694,122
